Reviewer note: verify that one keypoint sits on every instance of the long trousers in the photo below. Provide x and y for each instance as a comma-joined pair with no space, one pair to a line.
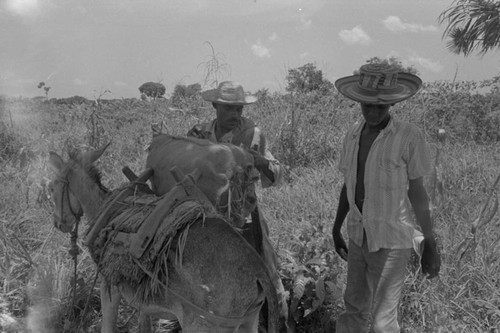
257,233
374,284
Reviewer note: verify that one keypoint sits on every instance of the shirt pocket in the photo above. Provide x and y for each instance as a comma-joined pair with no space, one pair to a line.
393,173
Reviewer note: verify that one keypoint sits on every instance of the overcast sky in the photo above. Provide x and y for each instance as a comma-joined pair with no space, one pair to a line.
83,47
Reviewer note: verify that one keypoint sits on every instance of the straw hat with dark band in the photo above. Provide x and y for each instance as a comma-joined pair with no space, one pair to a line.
379,84
228,92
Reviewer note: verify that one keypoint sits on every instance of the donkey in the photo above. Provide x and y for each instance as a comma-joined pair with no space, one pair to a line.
220,285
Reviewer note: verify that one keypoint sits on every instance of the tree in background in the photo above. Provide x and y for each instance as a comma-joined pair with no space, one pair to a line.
153,90
45,88
183,94
307,79
392,61
472,25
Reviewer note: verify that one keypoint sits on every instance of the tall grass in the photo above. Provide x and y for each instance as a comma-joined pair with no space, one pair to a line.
305,133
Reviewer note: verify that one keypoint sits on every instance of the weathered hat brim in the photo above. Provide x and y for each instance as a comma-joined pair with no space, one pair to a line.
212,95
407,86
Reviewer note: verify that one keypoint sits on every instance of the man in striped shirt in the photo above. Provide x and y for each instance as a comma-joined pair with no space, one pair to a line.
383,162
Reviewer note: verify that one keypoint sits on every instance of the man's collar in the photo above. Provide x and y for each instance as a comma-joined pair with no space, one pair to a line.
245,124
388,129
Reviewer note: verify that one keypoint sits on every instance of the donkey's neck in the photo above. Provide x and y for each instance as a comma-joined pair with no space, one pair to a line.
93,200
90,194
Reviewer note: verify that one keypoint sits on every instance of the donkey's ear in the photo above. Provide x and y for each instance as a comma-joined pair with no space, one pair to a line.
91,156
55,162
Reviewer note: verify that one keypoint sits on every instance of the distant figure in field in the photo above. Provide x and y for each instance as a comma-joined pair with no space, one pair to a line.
383,161
229,126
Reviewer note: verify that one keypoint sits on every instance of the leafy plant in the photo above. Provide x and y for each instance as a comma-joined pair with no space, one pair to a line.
95,128
301,140
472,25
184,96
392,61
214,67
310,277
10,143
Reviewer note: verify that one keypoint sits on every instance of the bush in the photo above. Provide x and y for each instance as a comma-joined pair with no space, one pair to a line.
10,144
152,89
184,96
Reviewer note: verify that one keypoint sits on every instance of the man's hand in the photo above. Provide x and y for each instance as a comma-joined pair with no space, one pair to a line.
260,162
431,261
340,245
342,211
196,132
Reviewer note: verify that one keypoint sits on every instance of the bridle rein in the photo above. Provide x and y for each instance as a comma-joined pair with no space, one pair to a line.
74,250
65,193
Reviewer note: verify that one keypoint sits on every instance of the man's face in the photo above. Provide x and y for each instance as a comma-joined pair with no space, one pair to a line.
375,114
228,116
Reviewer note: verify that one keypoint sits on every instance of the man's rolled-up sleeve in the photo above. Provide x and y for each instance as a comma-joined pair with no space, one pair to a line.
275,167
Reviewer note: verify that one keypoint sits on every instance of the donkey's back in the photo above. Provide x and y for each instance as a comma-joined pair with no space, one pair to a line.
219,284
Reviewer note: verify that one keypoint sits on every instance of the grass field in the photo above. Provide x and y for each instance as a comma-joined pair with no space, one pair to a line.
305,133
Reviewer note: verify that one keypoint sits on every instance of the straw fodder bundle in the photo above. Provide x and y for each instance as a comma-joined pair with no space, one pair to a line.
148,275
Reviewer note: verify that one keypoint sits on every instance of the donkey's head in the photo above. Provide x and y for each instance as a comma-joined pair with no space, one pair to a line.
69,186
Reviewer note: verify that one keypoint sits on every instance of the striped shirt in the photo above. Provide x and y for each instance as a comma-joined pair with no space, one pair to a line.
398,154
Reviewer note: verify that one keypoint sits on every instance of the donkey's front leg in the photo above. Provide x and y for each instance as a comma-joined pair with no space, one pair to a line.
144,323
110,300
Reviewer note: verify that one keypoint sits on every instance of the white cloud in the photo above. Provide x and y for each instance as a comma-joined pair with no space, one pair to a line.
304,55
414,59
433,66
355,36
79,82
273,37
394,23
120,83
260,50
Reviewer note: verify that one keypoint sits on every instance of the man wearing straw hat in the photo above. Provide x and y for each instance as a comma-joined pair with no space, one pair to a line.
383,161
228,99
229,126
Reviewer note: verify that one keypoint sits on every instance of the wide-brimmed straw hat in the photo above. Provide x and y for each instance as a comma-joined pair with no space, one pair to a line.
379,84
229,92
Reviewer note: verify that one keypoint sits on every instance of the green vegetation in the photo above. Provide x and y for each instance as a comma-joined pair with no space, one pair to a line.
472,25
307,78
305,131
186,96
392,61
152,90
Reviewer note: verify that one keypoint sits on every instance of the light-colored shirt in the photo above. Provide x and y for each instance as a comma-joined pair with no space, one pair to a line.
398,154
258,143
